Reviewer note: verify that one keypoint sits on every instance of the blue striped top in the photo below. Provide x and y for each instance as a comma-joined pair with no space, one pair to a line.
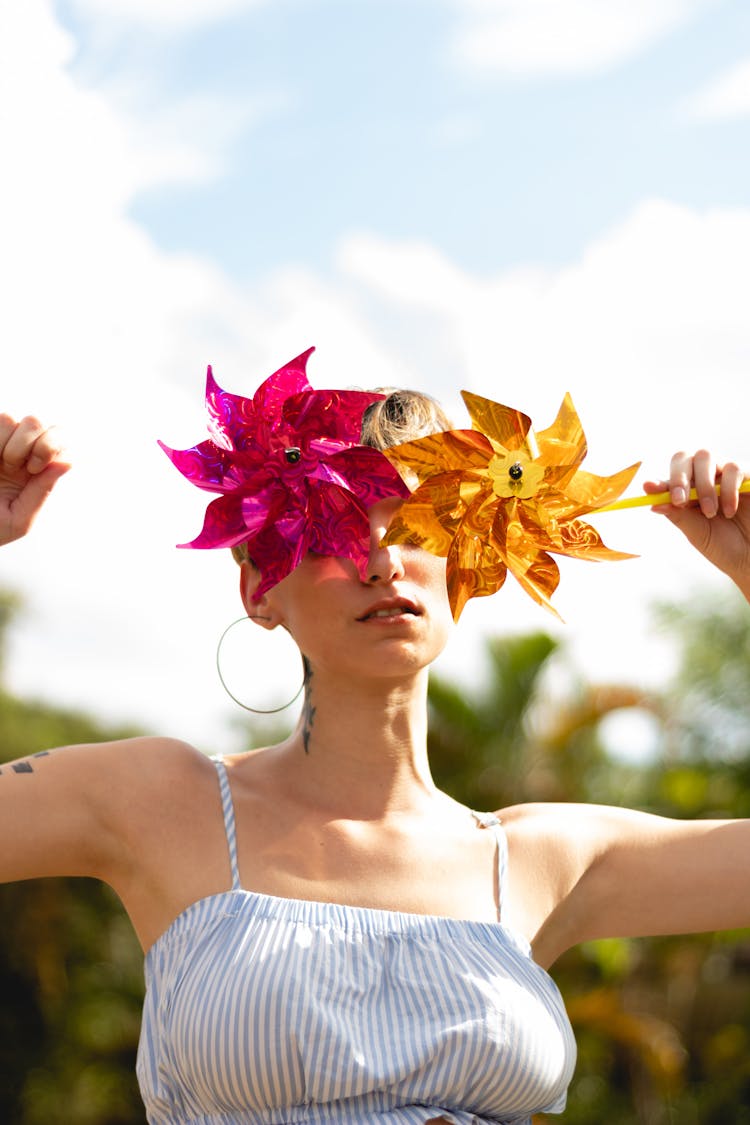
270,1011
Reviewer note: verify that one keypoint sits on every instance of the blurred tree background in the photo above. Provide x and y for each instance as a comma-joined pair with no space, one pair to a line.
663,1025
71,978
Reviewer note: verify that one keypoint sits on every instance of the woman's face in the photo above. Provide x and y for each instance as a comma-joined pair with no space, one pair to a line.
395,621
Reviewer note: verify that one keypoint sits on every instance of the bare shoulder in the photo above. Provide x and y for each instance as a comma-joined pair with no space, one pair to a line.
141,773
537,825
586,824
110,770
563,841
158,787
551,848
70,810
159,756
579,872
125,782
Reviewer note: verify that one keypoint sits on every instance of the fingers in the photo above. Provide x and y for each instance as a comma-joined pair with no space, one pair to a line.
28,444
732,478
705,477
697,480
29,503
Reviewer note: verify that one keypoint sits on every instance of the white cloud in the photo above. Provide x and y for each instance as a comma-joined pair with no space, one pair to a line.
94,320
651,308
522,38
185,138
726,97
648,331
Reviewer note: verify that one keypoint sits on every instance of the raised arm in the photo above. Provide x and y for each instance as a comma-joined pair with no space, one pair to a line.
49,821
56,813
717,523
31,463
580,872
48,816
597,872
124,812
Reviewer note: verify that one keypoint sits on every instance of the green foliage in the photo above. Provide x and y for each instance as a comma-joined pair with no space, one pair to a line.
663,1025
479,745
710,717
71,976
9,606
70,962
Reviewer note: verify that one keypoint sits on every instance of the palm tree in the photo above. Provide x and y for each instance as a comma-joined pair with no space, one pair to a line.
479,742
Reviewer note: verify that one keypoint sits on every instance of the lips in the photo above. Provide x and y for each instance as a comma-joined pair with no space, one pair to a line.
390,607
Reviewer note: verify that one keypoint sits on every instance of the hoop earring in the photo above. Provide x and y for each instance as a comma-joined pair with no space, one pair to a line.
232,696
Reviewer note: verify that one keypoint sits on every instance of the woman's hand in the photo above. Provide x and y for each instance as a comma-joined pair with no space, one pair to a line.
30,466
717,523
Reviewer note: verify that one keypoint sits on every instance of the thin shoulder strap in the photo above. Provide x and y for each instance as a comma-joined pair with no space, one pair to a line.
489,820
227,809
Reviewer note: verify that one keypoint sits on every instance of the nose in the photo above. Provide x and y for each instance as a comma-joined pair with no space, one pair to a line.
384,564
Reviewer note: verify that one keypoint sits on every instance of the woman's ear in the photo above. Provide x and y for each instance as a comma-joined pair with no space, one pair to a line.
262,610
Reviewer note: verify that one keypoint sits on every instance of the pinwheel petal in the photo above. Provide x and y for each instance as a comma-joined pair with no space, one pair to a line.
502,424
340,524
432,515
364,471
582,541
329,414
223,525
204,465
537,574
439,453
291,379
589,492
232,420
275,555
564,442
268,503
474,569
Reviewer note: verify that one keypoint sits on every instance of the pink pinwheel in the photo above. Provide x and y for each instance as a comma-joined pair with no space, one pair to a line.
290,471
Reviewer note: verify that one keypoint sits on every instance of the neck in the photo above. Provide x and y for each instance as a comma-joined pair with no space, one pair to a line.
361,747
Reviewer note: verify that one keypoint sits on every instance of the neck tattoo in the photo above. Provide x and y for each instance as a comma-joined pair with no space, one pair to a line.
308,711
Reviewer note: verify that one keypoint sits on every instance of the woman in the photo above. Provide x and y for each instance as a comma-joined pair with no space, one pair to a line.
329,937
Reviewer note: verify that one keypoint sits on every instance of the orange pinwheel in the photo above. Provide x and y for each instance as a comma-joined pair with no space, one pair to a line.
499,498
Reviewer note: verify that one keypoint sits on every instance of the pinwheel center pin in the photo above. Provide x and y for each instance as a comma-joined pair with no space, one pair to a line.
512,473
293,454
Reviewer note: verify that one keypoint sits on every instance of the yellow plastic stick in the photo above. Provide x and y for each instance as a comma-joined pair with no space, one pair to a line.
657,498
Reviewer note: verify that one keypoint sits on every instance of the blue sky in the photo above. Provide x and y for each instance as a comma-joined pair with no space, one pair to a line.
365,118
518,197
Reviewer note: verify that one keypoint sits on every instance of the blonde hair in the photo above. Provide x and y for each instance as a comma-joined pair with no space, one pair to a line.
401,416
398,417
